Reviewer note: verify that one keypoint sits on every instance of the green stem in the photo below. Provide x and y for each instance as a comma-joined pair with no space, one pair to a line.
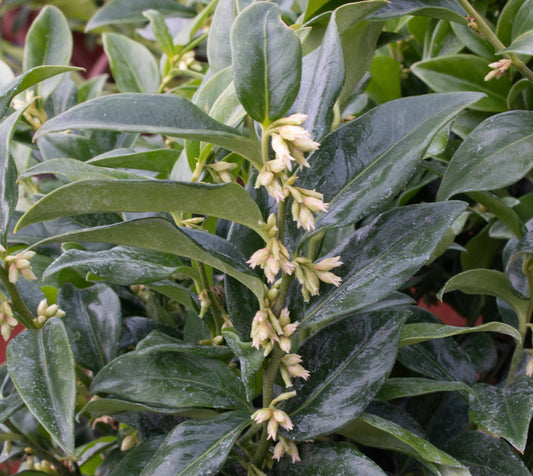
217,317
282,208
284,286
313,244
491,37
23,314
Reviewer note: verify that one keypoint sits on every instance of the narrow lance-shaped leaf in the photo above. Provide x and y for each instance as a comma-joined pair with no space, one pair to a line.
49,41
444,9
379,258
411,387
348,362
198,447
160,235
505,411
93,322
228,201
171,379
359,172
267,62
151,114
130,11
41,365
27,80
493,155
158,160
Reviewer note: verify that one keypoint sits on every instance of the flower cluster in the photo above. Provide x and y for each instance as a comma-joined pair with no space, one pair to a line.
221,171
267,329
290,367
7,320
19,264
305,203
310,274
498,68
275,418
45,312
288,447
274,256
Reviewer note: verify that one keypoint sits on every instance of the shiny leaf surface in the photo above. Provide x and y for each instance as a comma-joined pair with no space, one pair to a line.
267,62
171,379
93,322
151,114
198,447
505,411
348,361
41,365
444,9
158,160
137,458
382,256
361,165
394,388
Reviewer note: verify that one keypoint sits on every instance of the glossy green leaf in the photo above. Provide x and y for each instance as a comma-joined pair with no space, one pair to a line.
250,360
394,388
10,405
93,322
131,11
158,160
137,458
464,73
348,361
484,454
359,172
26,80
133,66
41,365
59,145
157,341
326,459
151,114
506,19
171,379
473,41
524,249
522,21
489,159
228,201
198,447
444,9
160,235
385,83
505,411
322,80
421,332
8,172
114,406
176,292
74,170
382,256
267,62
376,432
487,281
315,7
522,45
48,42
161,31
218,41
119,265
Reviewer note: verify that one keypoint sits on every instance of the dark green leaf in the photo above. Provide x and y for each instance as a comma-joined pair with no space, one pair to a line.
171,379
385,84
157,341
250,360
444,9
267,62
137,458
119,265
473,41
485,455
27,80
198,447
113,406
158,160
327,459
59,145
229,201
48,42
151,114
382,256
10,405
505,411
464,73
161,32
410,387
218,41
93,322
358,172
524,249
487,281
133,66
160,235
131,11
316,6
493,156
522,44
322,80
176,292
506,19
8,172
374,431
41,365
348,361
421,332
